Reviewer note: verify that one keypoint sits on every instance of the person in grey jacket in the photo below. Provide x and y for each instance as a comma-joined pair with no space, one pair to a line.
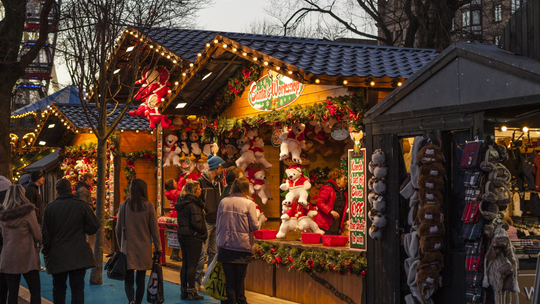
82,189
66,222
236,220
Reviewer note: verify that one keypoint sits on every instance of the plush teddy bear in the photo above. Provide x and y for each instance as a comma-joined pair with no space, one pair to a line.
194,143
297,185
260,217
171,151
257,145
247,156
293,142
258,181
230,152
183,142
298,217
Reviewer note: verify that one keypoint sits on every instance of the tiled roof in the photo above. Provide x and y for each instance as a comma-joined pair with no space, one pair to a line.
75,113
68,95
314,56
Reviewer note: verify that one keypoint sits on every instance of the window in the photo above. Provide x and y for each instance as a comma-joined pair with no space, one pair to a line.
465,19
515,5
497,39
497,13
453,24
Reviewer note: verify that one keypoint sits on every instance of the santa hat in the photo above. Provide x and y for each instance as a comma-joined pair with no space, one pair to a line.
297,168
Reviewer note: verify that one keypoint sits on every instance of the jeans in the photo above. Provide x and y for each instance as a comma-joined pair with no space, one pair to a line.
209,245
234,278
191,251
128,285
76,284
34,285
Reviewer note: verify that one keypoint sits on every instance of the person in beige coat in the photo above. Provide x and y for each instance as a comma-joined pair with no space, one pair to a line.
141,231
20,230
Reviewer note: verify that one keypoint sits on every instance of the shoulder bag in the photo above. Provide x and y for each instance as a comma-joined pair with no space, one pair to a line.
117,264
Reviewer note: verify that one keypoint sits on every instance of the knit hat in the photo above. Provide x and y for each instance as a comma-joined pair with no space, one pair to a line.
63,186
215,162
36,175
25,179
4,183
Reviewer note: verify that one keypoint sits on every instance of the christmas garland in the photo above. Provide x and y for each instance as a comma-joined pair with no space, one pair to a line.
235,87
129,168
311,261
351,107
79,151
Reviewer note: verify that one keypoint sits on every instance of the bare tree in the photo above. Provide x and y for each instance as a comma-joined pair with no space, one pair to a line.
107,73
308,28
411,23
12,65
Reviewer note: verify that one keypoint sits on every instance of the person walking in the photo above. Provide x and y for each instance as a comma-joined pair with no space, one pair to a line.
236,220
66,222
192,233
211,186
172,190
136,230
332,203
82,189
33,193
4,185
21,234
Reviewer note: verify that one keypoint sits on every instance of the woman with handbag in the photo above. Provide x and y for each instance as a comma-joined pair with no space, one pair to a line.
192,234
236,220
136,230
21,233
332,203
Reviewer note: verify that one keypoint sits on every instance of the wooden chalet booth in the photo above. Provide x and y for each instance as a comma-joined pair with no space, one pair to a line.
471,95
225,85
131,153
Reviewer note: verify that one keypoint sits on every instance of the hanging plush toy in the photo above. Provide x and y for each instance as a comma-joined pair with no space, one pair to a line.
194,144
257,145
247,156
258,181
230,152
293,142
183,143
171,151
297,185
154,89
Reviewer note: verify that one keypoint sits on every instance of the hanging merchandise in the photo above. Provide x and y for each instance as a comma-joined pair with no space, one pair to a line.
340,131
154,89
377,188
293,142
256,144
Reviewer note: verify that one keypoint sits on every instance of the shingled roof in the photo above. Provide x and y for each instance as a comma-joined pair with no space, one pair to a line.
75,114
314,56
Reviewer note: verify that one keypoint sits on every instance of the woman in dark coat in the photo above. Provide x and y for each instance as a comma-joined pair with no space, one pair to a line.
332,203
21,234
191,235
141,230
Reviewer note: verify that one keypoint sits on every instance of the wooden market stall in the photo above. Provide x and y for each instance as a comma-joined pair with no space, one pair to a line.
471,95
231,84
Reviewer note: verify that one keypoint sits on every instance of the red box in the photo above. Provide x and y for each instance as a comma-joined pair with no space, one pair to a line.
265,234
311,238
334,240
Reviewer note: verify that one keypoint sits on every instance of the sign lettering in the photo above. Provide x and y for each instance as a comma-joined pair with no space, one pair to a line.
357,188
273,92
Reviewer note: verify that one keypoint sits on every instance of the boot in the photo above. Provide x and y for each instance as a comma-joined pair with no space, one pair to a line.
175,256
193,295
184,293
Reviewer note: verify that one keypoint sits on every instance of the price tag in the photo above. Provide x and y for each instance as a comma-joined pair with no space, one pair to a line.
527,196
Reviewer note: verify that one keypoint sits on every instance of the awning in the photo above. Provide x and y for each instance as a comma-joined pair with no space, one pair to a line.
45,163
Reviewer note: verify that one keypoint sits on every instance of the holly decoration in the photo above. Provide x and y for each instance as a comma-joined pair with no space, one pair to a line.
310,261
129,168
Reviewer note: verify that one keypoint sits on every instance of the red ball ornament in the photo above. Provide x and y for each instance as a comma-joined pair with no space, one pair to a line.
273,250
363,274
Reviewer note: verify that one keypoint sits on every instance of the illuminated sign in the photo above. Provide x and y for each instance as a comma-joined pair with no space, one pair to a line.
273,92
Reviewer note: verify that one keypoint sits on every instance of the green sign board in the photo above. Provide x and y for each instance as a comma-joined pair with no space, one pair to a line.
273,92
357,199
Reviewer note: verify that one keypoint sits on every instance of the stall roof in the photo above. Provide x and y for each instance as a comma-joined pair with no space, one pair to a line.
466,77
314,56
75,114
45,163
68,95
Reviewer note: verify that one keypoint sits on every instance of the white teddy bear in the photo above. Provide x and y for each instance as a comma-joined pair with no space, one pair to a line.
259,184
257,145
297,185
247,156
171,151
293,142
260,217
298,217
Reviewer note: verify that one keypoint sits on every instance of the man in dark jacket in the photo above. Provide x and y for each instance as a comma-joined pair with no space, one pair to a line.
33,193
66,222
82,189
211,191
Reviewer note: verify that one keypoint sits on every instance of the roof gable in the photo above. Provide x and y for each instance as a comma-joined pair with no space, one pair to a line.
68,95
463,75
75,114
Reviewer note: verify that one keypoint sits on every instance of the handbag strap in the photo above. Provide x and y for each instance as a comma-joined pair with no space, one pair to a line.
124,226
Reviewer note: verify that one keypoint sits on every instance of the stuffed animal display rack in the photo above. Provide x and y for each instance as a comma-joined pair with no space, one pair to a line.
377,188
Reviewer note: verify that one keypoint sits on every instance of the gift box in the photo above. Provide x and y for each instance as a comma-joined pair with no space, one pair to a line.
265,234
334,240
311,238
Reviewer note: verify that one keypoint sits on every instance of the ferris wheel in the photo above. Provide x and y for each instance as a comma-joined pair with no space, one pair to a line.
34,84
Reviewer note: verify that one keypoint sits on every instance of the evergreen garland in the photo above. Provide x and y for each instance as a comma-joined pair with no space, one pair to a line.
129,168
310,261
